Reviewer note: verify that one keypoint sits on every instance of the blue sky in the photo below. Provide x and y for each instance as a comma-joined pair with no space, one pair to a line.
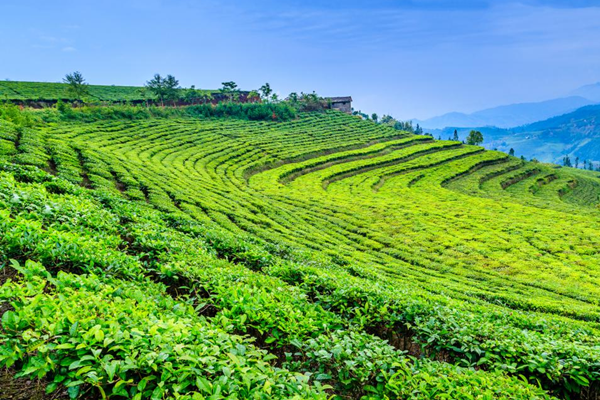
411,59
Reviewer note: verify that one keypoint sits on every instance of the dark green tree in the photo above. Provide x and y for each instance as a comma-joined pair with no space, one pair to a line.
511,152
164,88
455,137
576,162
156,86
567,161
171,88
375,117
418,130
311,102
404,126
475,138
387,120
265,91
253,96
77,87
230,90
191,95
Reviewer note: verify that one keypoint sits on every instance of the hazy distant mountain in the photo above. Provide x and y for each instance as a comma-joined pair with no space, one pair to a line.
585,121
591,92
576,134
454,119
511,115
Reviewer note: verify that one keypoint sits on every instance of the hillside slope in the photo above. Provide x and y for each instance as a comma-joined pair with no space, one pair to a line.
50,91
196,257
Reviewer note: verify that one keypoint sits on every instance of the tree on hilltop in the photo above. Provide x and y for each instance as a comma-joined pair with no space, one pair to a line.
76,85
455,137
293,97
511,152
374,117
404,126
418,130
398,125
156,86
191,95
310,102
253,96
387,120
475,138
265,91
567,161
230,90
171,88
163,88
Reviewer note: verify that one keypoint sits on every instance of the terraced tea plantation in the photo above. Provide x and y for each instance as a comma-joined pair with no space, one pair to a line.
326,256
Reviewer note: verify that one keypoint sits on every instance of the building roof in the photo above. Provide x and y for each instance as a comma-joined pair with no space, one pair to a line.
342,99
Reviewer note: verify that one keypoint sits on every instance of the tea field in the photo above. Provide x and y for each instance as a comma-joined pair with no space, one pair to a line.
50,91
322,257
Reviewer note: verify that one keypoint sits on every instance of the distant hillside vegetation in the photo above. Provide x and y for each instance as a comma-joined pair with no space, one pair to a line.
576,134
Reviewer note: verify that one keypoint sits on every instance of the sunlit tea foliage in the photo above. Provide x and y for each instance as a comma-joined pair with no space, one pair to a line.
184,256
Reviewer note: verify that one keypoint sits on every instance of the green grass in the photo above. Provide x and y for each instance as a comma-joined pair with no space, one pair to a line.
321,256
31,91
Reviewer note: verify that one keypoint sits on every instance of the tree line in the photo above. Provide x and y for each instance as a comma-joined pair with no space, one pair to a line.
587,165
166,90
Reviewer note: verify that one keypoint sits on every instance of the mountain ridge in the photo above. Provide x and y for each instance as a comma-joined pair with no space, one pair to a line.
591,91
510,115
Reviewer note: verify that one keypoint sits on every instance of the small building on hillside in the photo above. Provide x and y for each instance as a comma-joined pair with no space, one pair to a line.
343,104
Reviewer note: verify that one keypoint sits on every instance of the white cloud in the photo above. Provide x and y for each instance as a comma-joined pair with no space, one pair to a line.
69,49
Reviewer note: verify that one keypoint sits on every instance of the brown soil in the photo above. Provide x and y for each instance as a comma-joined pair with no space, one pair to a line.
52,167
12,388
118,184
